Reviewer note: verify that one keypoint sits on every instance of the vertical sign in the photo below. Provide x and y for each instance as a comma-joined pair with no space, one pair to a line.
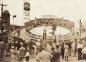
26,11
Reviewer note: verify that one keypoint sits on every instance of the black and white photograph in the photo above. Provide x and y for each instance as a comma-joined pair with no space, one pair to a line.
42,30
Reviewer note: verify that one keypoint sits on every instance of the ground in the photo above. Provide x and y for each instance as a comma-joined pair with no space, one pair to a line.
71,59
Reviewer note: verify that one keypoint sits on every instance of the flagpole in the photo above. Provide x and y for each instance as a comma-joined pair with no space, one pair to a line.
62,19
35,21
80,27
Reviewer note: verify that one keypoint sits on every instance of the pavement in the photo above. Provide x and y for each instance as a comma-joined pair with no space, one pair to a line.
71,59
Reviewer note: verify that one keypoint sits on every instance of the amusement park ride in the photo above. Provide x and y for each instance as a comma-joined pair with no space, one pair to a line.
53,23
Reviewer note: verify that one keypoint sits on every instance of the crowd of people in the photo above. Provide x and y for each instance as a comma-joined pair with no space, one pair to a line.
41,50
20,51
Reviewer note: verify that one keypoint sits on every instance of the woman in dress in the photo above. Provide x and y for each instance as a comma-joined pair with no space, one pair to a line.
66,48
21,53
13,54
43,56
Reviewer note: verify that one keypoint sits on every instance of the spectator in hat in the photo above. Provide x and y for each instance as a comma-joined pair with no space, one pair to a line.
58,53
79,47
84,53
55,55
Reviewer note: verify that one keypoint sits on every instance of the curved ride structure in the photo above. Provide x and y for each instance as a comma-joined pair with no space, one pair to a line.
52,27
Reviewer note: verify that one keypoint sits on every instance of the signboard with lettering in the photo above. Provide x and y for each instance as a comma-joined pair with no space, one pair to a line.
27,6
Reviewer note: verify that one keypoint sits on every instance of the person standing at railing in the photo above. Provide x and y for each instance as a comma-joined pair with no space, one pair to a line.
75,47
62,50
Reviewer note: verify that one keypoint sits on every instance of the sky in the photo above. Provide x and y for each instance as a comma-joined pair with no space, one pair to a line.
69,9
